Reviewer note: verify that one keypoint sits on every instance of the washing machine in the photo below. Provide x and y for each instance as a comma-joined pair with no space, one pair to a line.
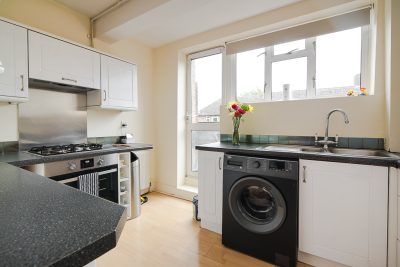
260,208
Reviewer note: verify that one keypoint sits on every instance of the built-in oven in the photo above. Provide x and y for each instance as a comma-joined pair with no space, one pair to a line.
69,171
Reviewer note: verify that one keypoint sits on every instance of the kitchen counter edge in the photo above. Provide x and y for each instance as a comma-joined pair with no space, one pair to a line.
253,150
24,158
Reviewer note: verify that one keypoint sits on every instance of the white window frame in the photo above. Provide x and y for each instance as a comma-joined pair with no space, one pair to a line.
310,53
190,176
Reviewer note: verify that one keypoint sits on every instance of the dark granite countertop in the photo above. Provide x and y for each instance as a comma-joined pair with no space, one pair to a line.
46,223
254,150
24,158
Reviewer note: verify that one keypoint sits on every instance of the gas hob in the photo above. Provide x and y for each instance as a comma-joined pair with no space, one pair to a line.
64,149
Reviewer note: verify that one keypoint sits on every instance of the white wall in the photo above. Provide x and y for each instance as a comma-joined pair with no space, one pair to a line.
49,16
52,17
392,67
160,119
305,117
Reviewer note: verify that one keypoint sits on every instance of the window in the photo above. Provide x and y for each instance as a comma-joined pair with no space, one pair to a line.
250,75
339,71
324,66
204,100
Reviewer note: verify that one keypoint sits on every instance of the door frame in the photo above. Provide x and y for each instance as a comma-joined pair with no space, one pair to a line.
190,176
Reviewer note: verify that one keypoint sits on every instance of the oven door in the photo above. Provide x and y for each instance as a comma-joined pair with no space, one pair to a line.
108,184
108,181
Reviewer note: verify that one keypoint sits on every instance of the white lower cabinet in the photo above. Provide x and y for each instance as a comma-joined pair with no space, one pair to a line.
343,210
210,190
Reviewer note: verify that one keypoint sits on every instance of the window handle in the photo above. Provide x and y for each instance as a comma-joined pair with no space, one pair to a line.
188,116
292,51
69,80
313,80
105,95
22,82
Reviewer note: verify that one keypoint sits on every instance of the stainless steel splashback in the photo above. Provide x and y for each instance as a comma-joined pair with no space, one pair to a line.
51,117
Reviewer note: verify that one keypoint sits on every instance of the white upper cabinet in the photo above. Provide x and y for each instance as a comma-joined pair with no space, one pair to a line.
118,85
343,211
57,61
13,63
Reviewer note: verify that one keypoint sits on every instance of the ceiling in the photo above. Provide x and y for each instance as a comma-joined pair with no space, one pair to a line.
169,20
89,8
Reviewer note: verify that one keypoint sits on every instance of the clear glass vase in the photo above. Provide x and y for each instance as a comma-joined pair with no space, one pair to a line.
236,135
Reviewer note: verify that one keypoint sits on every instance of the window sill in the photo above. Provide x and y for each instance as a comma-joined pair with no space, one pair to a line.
188,188
304,99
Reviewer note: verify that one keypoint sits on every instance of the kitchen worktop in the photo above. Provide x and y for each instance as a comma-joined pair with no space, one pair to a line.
24,158
46,223
287,152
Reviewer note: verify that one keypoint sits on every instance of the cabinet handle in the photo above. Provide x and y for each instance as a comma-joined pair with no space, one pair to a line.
304,174
219,163
22,82
105,95
68,79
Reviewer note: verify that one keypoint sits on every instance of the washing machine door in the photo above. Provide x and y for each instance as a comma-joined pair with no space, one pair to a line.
257,205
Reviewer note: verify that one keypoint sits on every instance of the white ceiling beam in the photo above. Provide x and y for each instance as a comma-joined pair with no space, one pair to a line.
126,12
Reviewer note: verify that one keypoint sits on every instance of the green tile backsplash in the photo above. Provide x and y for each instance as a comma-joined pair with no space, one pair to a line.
344,142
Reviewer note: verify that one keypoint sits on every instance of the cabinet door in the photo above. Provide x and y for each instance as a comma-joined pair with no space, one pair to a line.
343,212
13,61
118,83
57,61
210,190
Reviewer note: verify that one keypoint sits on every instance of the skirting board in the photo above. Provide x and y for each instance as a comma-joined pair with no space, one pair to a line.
317,261
173,191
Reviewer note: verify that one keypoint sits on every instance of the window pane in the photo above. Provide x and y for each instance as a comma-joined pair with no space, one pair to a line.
338,62
201,138
289,47
292,72
206,88
250,75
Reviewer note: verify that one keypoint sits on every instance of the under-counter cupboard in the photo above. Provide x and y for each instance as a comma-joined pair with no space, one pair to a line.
210,190
342,209
55,62
13,63
343,212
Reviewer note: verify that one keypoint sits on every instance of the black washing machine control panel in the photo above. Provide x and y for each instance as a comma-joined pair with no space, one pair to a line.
265,166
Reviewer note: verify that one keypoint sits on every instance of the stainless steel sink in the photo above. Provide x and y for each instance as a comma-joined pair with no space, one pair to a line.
362,152
331,150
313,149
346,151
286,148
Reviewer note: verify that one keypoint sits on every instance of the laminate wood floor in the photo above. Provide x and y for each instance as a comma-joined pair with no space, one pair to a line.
166,235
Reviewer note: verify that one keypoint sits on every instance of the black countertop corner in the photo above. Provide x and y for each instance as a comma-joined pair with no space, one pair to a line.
256,150
45,223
